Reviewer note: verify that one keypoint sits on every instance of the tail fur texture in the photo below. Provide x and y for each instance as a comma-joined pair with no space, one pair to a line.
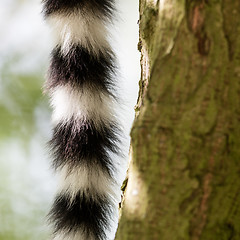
85,135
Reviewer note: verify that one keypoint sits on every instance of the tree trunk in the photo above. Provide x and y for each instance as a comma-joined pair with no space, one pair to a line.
184,177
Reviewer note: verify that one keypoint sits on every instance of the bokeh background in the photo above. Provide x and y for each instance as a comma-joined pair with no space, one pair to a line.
26,181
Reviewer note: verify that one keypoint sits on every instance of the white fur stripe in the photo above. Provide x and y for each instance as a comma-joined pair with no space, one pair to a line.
84,104
73,236
81,28
87,179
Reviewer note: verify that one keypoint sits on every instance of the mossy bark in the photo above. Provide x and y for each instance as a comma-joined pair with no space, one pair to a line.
184,178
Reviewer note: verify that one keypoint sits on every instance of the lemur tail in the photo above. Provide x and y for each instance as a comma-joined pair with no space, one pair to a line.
85,134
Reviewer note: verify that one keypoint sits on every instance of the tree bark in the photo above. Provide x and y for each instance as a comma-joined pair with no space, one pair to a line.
184,176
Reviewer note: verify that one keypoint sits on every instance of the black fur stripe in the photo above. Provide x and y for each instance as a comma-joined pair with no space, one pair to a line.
90,216
103,7
80,143
79,67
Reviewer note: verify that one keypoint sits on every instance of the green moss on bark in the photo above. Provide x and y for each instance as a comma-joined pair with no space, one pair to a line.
186,137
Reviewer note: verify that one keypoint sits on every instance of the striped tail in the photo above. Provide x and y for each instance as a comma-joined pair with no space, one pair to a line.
85,134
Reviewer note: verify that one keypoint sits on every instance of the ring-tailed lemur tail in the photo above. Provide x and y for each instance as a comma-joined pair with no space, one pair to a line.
81,84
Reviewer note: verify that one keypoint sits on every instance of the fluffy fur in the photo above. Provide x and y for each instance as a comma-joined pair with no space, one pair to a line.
85,134
74,28
69,103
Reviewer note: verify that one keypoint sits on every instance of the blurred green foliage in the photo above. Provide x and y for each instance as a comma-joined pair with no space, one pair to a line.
21,217
24,131
20,94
